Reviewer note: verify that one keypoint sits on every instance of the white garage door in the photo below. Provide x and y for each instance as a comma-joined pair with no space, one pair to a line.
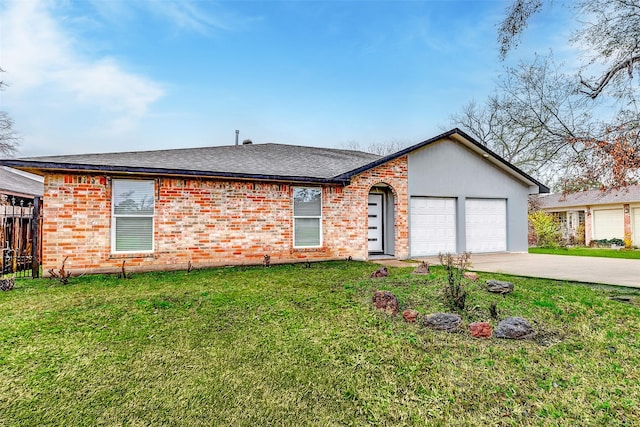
433,225
608,224
486,225
636,227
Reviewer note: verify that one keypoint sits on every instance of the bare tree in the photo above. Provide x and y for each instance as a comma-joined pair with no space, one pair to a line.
515,22
531,118
609,34
581,130
9,140
381,148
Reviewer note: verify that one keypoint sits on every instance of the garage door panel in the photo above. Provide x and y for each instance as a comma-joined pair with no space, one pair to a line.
433,225
608,224
486,225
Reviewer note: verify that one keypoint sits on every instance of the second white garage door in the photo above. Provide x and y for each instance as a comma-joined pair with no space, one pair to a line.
486,225
433,225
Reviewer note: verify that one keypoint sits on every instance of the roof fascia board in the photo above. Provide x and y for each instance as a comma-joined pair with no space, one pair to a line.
18,194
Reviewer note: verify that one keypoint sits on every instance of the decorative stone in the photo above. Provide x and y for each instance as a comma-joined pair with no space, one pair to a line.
381,272
410,315
7,284
499,287
470,275
423,268
448,322
480,329
385,300
515,328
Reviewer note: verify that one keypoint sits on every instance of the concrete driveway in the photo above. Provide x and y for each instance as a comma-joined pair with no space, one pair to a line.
609,271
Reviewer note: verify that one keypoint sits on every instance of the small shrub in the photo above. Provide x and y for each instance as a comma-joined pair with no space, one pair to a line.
454,293
61,275
493,310
546,228
605,243
123,273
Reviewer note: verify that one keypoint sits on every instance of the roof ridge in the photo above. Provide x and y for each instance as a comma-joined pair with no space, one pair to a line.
209,147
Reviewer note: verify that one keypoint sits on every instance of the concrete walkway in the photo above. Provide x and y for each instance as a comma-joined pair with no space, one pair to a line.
606,271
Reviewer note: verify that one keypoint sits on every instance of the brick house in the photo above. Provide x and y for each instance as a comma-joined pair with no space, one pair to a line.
231,205
597,215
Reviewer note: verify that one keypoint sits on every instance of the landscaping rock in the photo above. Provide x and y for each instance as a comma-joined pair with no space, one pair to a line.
499,287
381,272
423,268
515,328
480,329
471,276
410,315
7,284
385,300
448,322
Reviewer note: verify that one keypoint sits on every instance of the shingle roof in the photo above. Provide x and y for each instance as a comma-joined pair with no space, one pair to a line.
20,183
257,160
591,197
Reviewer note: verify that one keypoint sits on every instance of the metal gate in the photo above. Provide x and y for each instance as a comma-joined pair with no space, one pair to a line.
20,237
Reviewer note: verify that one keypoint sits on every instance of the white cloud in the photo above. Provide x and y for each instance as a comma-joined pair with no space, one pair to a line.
42,59
188,16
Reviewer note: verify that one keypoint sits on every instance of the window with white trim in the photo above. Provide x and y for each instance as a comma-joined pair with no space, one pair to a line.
132,215
307,217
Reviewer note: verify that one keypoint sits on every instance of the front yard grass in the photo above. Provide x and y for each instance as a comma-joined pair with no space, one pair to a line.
290,345
595,252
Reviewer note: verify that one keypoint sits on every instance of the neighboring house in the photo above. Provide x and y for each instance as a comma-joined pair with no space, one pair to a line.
613,214
18,189
231,205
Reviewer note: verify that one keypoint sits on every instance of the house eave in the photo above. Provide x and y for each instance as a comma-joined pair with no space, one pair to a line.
42,168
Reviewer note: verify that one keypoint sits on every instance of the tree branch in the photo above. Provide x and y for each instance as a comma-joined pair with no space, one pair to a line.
596,90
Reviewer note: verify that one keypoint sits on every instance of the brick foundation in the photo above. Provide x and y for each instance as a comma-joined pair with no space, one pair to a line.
213,222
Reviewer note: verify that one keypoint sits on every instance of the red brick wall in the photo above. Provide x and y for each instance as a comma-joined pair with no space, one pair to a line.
393,174
588,223
212,222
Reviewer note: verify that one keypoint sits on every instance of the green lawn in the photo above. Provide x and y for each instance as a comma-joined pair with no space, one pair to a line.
597,252
295,346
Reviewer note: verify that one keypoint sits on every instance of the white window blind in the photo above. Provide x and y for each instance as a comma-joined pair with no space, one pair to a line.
307,217
133,209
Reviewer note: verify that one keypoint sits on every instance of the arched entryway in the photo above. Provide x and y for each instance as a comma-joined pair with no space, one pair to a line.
381,220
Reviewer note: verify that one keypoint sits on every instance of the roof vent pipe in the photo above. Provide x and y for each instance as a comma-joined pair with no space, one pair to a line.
237,133
247,142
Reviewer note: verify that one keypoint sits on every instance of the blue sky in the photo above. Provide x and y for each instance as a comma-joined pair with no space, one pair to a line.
122,75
